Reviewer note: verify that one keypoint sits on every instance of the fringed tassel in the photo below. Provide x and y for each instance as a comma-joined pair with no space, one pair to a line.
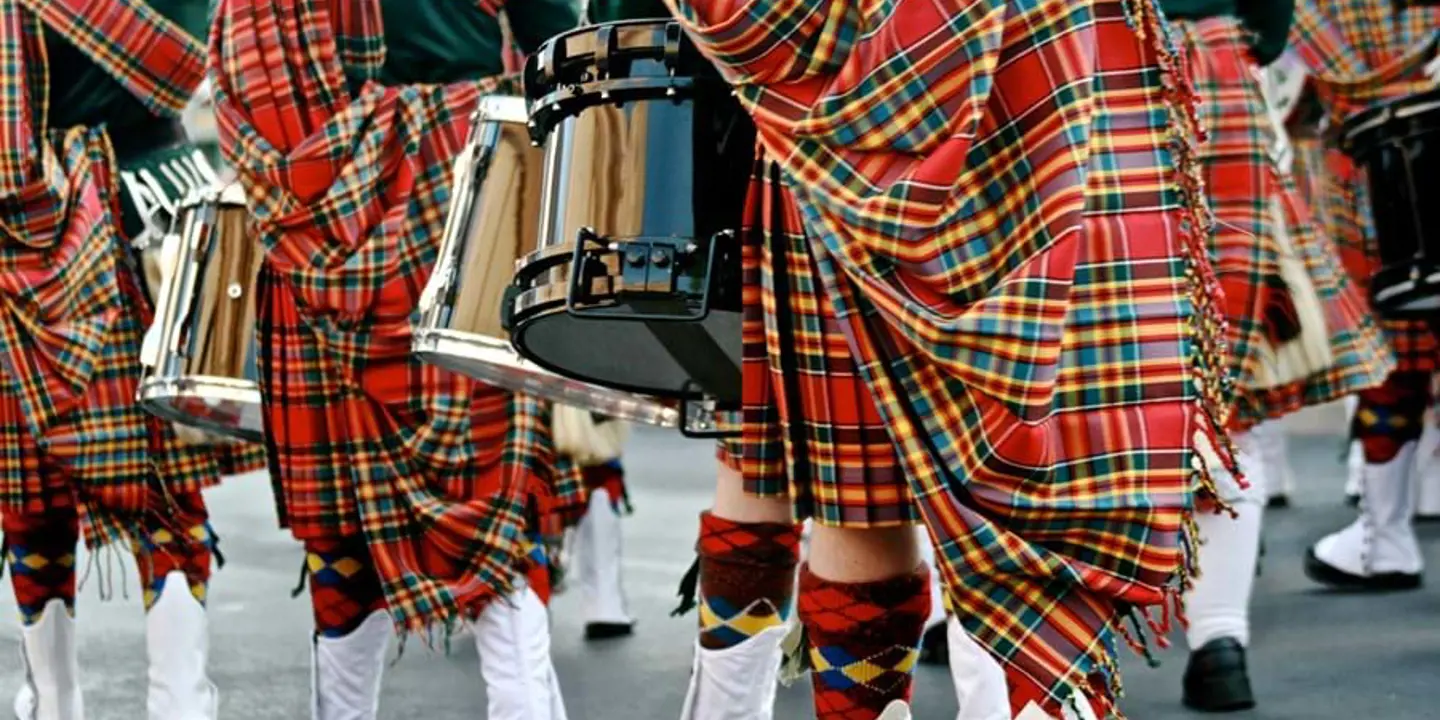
689,590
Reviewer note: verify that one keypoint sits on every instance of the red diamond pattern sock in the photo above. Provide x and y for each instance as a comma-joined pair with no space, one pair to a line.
864,641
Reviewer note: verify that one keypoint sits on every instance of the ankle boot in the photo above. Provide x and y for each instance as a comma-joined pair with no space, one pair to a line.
346,671
597,557
177,640
736,683
1379,551
52,669
513,638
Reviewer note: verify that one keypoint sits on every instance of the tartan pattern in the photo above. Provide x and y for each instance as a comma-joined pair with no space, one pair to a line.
1372,53
747,578
851,475
348,194
1391,415
40,553
864,641
1000,200
1241,182
71,310
1361,52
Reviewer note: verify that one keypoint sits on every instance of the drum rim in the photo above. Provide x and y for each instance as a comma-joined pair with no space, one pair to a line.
155,391
540,70
430,344
1380,115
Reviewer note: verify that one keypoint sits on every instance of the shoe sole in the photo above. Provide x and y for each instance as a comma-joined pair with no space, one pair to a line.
1326,574
608,631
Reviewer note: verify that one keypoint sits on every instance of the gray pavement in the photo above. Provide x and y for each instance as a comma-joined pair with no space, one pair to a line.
1315,655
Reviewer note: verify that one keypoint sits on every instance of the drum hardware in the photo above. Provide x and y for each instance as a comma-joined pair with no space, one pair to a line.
204,373
635,284
1395,144
464,309
702,418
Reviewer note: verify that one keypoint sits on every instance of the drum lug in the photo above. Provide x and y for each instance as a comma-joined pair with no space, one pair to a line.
649,268
699,419
507,307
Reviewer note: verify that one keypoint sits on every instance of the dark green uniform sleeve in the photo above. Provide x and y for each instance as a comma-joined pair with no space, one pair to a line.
613,10
532,22
1270,21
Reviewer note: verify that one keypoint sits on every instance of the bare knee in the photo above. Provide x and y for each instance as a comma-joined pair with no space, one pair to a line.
863,555
733,503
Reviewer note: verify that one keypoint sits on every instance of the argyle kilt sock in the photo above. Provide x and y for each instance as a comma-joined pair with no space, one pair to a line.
864,640
41,556
747,578
344,589
181,540
1391,415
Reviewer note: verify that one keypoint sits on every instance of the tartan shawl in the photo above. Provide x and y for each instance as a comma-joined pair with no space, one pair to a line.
1002,198
1242,181
348,194
69,309
1363,51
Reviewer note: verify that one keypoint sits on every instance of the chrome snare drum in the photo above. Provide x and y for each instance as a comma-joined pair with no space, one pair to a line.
635,283
492,221
200,356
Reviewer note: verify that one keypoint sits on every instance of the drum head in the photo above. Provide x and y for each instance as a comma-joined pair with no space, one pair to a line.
668,359
492,361
217,405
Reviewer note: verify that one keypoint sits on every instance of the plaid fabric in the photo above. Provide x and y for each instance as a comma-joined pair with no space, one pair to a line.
349,193
994,199
1242,181
1364,53
71,309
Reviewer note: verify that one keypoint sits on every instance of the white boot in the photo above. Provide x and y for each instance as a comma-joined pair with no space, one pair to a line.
896,710
1272,442
1379,551
177,640
513,637
52,669
346,671
1427,468
597,557
736,683
981,690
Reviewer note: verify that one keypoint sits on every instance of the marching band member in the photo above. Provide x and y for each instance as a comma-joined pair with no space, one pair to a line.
1360,54
93,158
1300,333
417,493
975,284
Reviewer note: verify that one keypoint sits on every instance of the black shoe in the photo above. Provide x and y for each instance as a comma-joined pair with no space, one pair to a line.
608,630
1278,502
1327,574
935,646
1352,500
1216,679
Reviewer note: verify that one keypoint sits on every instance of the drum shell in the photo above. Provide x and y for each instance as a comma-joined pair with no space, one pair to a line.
1398,144
205,374
651,147
493,221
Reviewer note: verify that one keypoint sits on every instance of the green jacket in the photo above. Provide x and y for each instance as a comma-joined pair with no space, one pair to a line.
612,10
444,41
1268,19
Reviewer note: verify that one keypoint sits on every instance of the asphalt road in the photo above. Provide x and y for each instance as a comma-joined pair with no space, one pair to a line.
1314,655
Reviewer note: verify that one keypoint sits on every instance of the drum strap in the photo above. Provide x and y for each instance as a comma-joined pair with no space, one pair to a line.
699,356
